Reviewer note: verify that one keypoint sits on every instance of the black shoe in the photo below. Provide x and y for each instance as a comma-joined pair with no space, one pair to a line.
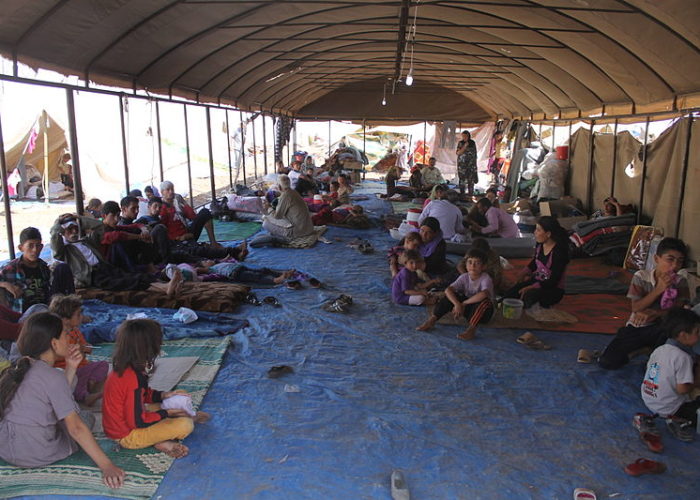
251,298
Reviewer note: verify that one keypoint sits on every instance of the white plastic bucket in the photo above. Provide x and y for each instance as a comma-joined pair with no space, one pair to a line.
412,216
512,308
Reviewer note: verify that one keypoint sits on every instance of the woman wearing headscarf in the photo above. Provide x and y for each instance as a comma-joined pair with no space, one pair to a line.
434,248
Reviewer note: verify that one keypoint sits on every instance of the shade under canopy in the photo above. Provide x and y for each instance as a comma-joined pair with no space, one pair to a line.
514,58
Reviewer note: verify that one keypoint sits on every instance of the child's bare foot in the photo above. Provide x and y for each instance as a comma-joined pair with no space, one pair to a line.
468,334
243,250
428,325
172,449
91,399
284,277
175,283
201,417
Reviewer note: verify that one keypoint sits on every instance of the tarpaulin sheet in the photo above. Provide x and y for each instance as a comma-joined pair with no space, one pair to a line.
482,419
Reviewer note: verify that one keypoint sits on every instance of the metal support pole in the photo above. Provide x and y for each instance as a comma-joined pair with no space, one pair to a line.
684,174
228,150
75,154
187,149
245,180
591,148
425,143
294,135
329,138
125,150
6,197
160,145
364,147
554,127
644,171
614,160
44,122
212,182
265,142
255,149
539,133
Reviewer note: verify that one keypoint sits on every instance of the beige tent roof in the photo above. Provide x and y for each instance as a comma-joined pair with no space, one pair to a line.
472,59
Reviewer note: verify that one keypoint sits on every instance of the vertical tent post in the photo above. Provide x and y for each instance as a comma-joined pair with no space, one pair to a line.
294,135
45,122
255,149
125,151
6,197
425,145
539,133
187,150
329,138
681,196
364,147
591,147
212,182
289,150
160,145
228,149
240,116
644,171
265,142
614,160
75,154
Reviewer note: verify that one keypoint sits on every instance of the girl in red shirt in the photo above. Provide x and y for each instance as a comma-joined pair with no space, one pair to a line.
131,412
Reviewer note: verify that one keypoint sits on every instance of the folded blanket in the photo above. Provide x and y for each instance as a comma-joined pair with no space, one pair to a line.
584,227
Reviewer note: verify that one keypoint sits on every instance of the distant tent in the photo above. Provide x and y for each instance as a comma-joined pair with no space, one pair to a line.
31,146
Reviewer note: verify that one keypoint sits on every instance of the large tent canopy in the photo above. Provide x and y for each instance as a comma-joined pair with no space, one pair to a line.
472,60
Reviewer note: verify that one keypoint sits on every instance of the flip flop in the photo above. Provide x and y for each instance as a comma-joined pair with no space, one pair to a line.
279,371
314,283
271,301
251,298
652,441
293,285
584,494
528,339
643,466
587,356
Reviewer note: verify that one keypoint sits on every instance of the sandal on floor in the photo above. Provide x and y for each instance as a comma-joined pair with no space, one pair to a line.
528,339
271,301
644,466
293,285
251,298
279,371
314,283
584,494
587,356
653,441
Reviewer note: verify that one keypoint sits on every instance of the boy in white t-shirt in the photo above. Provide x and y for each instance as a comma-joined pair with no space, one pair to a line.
672,373
471,296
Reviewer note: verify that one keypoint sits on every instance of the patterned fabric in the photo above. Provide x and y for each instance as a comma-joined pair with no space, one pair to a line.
466,164
145,469
14,272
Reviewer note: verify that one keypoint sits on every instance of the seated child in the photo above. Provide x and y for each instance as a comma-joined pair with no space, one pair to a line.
344,190
153,218
653,293
39,420
493,263
131,414
397,254
94,208
469,296
90,374
28,283
672,373
404,286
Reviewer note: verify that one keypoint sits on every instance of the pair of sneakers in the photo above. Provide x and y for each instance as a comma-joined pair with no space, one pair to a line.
680,428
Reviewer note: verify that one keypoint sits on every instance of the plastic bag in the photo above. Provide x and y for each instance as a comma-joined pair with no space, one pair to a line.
185,315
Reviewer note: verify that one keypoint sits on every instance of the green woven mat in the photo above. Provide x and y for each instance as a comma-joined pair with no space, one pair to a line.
145,469
401,207
232,231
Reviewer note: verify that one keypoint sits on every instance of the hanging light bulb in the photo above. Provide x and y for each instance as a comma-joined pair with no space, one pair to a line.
384,101
384,97
409,78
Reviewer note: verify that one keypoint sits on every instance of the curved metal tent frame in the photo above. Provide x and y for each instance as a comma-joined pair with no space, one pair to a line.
519,58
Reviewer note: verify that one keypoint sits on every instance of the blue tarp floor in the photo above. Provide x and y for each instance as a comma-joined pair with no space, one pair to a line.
464,420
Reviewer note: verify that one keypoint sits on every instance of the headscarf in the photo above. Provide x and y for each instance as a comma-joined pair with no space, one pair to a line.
427,249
